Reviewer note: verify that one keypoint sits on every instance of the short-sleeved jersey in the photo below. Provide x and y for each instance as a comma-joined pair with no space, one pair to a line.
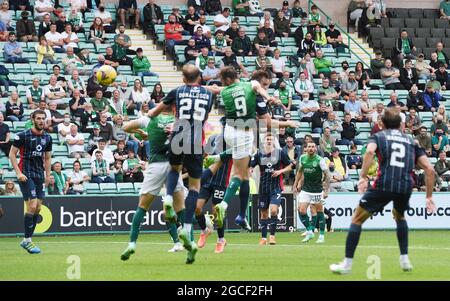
157,137
192,106
397,154
32,148
313,168
239,100
268,163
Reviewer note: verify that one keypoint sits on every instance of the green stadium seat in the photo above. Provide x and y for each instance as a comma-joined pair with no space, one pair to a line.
9,175
60,150
353,174
348,185
137,187
23,68
125,70
4,162
19,126
85,163
92,188
38,68
343,149
108,187
125,188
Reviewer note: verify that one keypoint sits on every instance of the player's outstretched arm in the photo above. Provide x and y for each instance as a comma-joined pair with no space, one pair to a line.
424,163
215,89
261,91
367,162
13,158
161,107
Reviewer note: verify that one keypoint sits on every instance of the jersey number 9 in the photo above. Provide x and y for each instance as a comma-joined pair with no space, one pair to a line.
241,106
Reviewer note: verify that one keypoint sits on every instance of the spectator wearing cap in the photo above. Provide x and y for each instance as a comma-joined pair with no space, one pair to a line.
26,30
141,65
376,64
423,68
288,13
94,138
339,162
431,98
424,139
100,169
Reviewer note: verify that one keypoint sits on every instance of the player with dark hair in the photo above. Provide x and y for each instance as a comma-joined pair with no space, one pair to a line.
35,149
192,106
398,155
273,163
314,179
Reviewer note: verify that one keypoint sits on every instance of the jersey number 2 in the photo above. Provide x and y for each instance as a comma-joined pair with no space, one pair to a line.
397,155
199,109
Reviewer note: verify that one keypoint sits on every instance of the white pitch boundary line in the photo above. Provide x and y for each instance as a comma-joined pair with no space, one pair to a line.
247,245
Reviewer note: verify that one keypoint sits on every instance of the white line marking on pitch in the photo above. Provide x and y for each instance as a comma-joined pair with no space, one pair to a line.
246,245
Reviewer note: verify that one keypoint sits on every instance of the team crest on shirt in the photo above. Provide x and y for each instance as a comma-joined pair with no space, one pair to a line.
314,164
39,148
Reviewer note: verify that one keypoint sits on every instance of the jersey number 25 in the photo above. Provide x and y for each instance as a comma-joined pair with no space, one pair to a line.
199,112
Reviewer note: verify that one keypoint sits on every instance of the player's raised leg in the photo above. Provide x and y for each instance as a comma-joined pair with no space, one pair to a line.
201,219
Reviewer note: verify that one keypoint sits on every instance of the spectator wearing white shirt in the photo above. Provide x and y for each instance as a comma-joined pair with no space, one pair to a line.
5,16
70,38
106,151
379,110
41,8
206,28
77,178
353,107
64,128
55,39
106,17
75,143
210,74
79,5
222,22
307,108
139,94
303,85
219,43
278,63
54,92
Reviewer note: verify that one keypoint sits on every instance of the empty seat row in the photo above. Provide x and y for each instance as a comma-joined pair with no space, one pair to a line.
415,23
413,13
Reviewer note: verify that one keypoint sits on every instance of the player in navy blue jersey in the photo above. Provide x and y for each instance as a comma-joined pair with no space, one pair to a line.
192,105
398,155
35,149
273,163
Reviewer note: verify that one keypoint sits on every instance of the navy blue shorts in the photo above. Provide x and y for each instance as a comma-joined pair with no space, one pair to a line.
374,201
213,192
192,163
33,188
267,199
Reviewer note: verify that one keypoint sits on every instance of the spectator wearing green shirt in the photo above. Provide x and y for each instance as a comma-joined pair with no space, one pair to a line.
132,168
100,103
444,9
440,141
285,95
201,62
141,65
322,65
241,7
120,52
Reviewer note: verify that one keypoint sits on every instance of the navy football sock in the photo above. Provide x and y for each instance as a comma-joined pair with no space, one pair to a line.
221,232
352,240
273,224
191,204
264,223
201,221
28,224
402,236
172,180
244,194
35,219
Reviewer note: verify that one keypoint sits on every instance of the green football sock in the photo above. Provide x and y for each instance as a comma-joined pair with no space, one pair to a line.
180,215
313,222
173,231
136,224
321,217
305,220
234,185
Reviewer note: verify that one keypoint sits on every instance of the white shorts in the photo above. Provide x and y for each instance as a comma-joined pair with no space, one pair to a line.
240,141
310,198
155,176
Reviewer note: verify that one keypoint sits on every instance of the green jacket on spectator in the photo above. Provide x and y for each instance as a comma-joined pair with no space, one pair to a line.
141,64
322,65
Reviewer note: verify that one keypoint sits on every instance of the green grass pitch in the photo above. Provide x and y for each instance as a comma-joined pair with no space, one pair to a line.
243,258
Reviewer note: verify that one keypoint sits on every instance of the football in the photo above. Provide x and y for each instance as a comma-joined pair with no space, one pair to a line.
106,75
